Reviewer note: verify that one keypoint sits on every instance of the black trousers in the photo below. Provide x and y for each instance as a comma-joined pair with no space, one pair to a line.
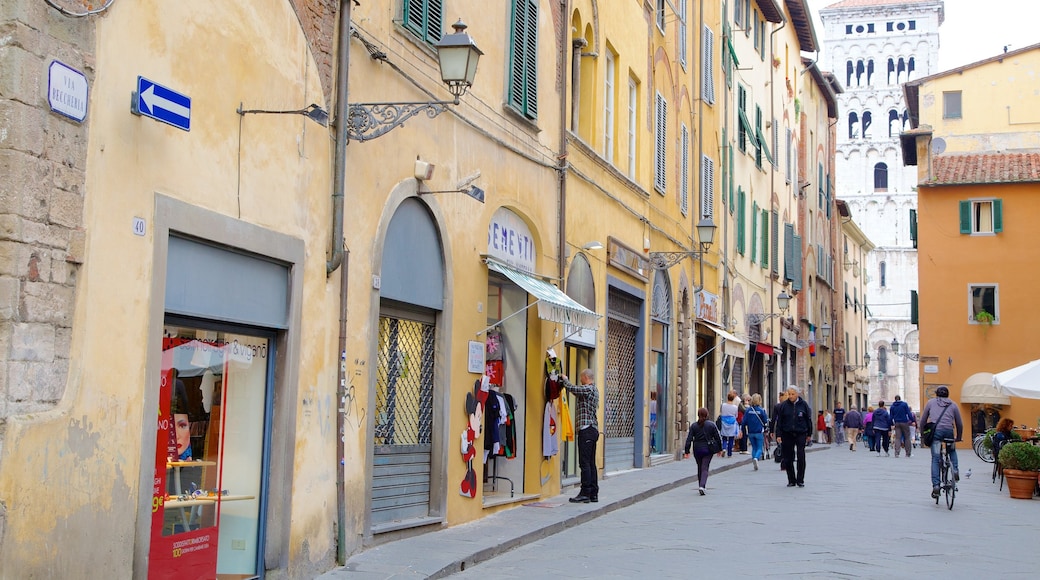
793,450
587,439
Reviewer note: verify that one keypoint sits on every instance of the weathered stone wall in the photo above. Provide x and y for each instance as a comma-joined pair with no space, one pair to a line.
43,164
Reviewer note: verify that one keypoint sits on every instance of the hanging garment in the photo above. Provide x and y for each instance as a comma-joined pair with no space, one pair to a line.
550,432
509,427
495,347
566,424
553,370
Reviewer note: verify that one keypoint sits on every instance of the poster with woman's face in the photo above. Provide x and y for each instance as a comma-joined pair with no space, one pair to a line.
182,427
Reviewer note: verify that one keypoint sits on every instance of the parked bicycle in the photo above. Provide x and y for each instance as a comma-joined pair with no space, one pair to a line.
985,453
947,481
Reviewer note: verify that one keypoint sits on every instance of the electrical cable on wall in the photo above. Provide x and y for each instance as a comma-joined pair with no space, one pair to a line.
71,14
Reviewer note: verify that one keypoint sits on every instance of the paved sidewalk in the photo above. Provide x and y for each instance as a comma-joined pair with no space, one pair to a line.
444,552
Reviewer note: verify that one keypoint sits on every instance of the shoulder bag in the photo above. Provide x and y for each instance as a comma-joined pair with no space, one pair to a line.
928,433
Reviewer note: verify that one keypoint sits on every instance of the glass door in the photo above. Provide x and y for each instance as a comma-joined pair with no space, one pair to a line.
209,453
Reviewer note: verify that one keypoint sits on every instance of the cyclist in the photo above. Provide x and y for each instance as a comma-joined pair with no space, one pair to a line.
946,416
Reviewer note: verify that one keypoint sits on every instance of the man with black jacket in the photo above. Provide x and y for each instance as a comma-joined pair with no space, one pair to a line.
793,430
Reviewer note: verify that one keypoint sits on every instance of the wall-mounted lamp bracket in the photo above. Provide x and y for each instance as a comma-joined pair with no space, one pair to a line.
366,121
313,112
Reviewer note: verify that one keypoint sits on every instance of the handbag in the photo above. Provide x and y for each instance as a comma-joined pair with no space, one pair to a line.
928,433
714,442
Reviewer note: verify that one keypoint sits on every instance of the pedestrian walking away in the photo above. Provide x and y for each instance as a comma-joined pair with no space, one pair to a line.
902,417
882,428
853,424
821,427
794,429
706,441
728,423
839,424
947,418
588,434
754,423
868,428
778,455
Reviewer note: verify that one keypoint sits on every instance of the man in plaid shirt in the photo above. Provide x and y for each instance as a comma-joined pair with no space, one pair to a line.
588,434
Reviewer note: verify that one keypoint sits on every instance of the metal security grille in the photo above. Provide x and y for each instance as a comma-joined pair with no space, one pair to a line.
404,382
401,468
620,379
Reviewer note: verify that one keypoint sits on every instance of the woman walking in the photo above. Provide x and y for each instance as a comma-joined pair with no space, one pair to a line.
754,424
728,426
705,439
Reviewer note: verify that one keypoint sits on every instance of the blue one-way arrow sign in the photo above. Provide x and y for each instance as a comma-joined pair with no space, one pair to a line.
162,104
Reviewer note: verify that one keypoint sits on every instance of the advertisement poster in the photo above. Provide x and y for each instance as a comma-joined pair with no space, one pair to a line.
184,534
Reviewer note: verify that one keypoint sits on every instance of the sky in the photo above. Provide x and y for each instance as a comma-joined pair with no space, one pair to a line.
974,30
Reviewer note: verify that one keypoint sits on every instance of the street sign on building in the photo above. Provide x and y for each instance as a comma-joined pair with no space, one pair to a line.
162,104
67,91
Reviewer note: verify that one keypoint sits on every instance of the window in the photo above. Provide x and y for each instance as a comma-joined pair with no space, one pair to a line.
684,170
982,216
682,32
758,136
707,186
633,100
880,177
708,66
660,15
745,132
523,58
951,104
788,145
738,13
765,238
609,119
881,274
424,18
982,304
660,143
775,242
741,221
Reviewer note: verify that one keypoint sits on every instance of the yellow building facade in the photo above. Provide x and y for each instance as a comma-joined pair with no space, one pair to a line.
271,296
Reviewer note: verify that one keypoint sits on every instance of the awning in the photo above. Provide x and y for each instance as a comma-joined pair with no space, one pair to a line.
979,388
734,346
553,305
764,348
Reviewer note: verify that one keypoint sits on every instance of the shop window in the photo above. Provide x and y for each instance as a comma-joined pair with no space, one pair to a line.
210,447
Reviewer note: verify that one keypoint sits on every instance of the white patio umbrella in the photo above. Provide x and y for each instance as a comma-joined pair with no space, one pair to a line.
1021,381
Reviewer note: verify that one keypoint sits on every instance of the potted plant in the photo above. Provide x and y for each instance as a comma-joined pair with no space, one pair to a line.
984,317
1021,464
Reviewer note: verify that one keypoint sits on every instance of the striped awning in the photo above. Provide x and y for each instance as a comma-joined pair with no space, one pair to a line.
553,304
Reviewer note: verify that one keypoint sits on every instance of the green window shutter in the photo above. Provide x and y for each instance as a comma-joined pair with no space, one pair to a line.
819,188
775,245
732,181
965,217
828,196
765,238
754,230
998,216
788,252
913,226
424,18
913,307
741,214
759,143
523,56
797,253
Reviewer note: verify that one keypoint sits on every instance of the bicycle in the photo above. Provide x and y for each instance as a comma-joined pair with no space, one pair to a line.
984,453
947,481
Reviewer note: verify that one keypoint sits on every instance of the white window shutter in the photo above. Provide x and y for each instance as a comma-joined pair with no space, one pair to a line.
684,163
707,187
660,142
708,66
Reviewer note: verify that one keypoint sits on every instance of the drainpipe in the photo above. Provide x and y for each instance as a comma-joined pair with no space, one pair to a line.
772,188
336,260
339,168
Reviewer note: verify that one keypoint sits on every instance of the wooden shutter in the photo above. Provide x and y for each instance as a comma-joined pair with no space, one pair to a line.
998,216
660,142
754,230
796,251
684,169
708,66
523,66
965,217
424,18
913,226
765,238
741,214
789,269
775,245
708,187
913,307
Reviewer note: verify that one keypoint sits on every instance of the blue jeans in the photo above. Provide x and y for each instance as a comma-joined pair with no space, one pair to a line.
936,442
727,445
756,439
